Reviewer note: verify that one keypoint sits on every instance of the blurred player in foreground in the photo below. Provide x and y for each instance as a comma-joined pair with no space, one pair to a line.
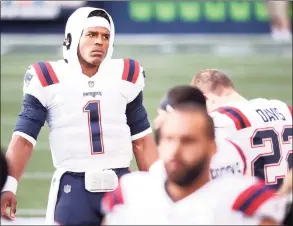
188,196
262,127
229,158
93,107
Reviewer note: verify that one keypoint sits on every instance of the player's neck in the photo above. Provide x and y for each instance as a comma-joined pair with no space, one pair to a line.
233,97
90,71
176,192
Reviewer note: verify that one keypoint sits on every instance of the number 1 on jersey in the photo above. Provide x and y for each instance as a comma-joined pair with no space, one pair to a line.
92,108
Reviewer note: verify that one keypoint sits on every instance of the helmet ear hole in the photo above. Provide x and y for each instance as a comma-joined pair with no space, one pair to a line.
67,41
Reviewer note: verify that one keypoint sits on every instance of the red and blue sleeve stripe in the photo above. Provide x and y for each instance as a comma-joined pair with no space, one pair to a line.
45,73
131,70
239,119
251,199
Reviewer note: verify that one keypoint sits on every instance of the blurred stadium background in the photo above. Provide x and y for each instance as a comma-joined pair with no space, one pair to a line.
172,39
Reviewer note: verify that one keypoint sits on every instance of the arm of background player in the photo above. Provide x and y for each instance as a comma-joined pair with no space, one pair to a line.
144,146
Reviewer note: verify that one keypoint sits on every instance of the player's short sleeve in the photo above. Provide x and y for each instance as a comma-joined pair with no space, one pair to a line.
229,120
133,77
133,82
33,112
32,86
257,200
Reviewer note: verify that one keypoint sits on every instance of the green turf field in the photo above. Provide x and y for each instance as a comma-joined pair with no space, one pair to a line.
254,76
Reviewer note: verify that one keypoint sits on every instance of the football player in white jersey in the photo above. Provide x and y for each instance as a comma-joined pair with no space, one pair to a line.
187,196
262,127
229,158
93,107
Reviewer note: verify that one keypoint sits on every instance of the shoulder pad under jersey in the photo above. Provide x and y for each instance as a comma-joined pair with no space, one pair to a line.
230,116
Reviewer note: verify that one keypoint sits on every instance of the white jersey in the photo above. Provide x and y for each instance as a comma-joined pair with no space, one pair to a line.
90,123
263,130
229,159
141,198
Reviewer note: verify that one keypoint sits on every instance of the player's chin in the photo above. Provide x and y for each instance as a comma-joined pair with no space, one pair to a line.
96,60
175,177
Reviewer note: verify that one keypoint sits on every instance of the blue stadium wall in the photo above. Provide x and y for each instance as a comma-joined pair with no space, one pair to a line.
142,17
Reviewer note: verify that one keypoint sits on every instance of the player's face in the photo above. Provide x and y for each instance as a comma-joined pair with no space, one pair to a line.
184,147
93,44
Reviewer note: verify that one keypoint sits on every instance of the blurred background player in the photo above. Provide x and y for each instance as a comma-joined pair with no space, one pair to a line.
187,195
229,158
262,127
93,106
280,20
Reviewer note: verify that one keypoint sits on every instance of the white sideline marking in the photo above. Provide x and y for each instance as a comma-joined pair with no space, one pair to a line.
38,175
24,221
35,212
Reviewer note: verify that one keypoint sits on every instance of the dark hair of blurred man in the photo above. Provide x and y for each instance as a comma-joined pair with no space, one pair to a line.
177,95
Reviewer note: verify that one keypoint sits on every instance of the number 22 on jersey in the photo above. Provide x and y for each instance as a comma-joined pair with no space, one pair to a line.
276,158
93,110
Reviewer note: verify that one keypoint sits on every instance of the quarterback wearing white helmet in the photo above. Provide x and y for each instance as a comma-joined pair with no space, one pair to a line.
93,107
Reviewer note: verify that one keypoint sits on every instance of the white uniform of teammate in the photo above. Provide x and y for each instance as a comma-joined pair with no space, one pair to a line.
263,130
91,126
228,160
135,202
